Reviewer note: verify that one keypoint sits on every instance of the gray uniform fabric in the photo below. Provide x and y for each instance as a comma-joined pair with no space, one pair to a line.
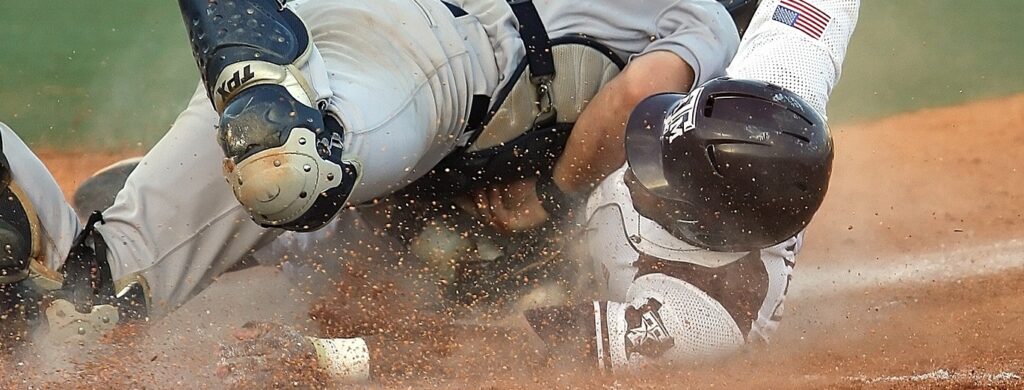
58,222
400,74
700,32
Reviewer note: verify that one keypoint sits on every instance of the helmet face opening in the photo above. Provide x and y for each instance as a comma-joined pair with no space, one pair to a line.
645,138
737,164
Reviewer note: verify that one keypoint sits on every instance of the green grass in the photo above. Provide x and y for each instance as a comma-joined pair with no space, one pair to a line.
115,73
909,54
110,72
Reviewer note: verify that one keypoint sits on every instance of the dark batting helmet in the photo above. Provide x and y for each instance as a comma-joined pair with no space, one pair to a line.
736,165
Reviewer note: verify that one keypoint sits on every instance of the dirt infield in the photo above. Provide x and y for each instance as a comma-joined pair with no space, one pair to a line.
70,168
912,274
936,179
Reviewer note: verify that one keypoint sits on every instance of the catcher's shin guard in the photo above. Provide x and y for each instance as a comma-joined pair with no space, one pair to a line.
19,228
88,282
90,303
283,162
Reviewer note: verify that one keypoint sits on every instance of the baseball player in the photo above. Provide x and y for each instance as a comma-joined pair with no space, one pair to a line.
694,240
310,106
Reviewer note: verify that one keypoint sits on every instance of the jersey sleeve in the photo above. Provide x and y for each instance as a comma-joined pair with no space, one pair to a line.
701,33
799,45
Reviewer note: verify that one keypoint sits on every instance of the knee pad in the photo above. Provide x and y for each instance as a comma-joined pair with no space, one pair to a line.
297,183
667,320
283,160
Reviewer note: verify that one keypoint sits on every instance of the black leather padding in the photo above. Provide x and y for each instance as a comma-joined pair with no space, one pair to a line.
226,32
15,236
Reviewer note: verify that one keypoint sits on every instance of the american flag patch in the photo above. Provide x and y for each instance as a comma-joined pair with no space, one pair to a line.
802,16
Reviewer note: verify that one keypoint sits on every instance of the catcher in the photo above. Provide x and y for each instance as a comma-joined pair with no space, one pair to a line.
309,107
694,240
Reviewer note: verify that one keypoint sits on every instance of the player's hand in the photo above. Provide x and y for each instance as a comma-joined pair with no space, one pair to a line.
267,355
513,206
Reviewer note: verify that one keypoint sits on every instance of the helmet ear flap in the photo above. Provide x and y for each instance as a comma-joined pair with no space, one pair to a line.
750,160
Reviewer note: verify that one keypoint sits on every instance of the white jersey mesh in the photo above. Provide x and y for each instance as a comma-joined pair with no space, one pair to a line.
779,261
614,246
698,325
778,53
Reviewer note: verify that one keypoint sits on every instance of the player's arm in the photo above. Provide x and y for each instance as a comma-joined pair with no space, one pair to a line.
697,40
595,148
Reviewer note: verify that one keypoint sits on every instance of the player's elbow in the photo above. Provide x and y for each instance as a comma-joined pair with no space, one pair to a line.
633,88
653,73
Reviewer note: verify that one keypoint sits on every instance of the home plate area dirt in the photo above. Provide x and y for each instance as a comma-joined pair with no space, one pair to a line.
912,276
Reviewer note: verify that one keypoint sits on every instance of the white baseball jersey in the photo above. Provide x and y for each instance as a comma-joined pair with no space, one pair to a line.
400,74
799,45
618,237
669,299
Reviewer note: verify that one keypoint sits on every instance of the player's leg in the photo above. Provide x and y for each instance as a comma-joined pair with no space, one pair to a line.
98,191
175,226
36,224
268,84
175,223
170,231
36,230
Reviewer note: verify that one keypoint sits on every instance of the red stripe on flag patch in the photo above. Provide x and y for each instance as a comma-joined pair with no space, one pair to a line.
809,19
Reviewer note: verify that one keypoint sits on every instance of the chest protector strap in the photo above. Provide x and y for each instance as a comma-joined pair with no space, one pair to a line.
535,38
528,123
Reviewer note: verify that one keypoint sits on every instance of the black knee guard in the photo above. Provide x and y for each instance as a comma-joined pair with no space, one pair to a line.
284,163
15,237
18,228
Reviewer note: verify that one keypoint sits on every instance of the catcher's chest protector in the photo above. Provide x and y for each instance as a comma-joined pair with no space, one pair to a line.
554,88
524,105
523,128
